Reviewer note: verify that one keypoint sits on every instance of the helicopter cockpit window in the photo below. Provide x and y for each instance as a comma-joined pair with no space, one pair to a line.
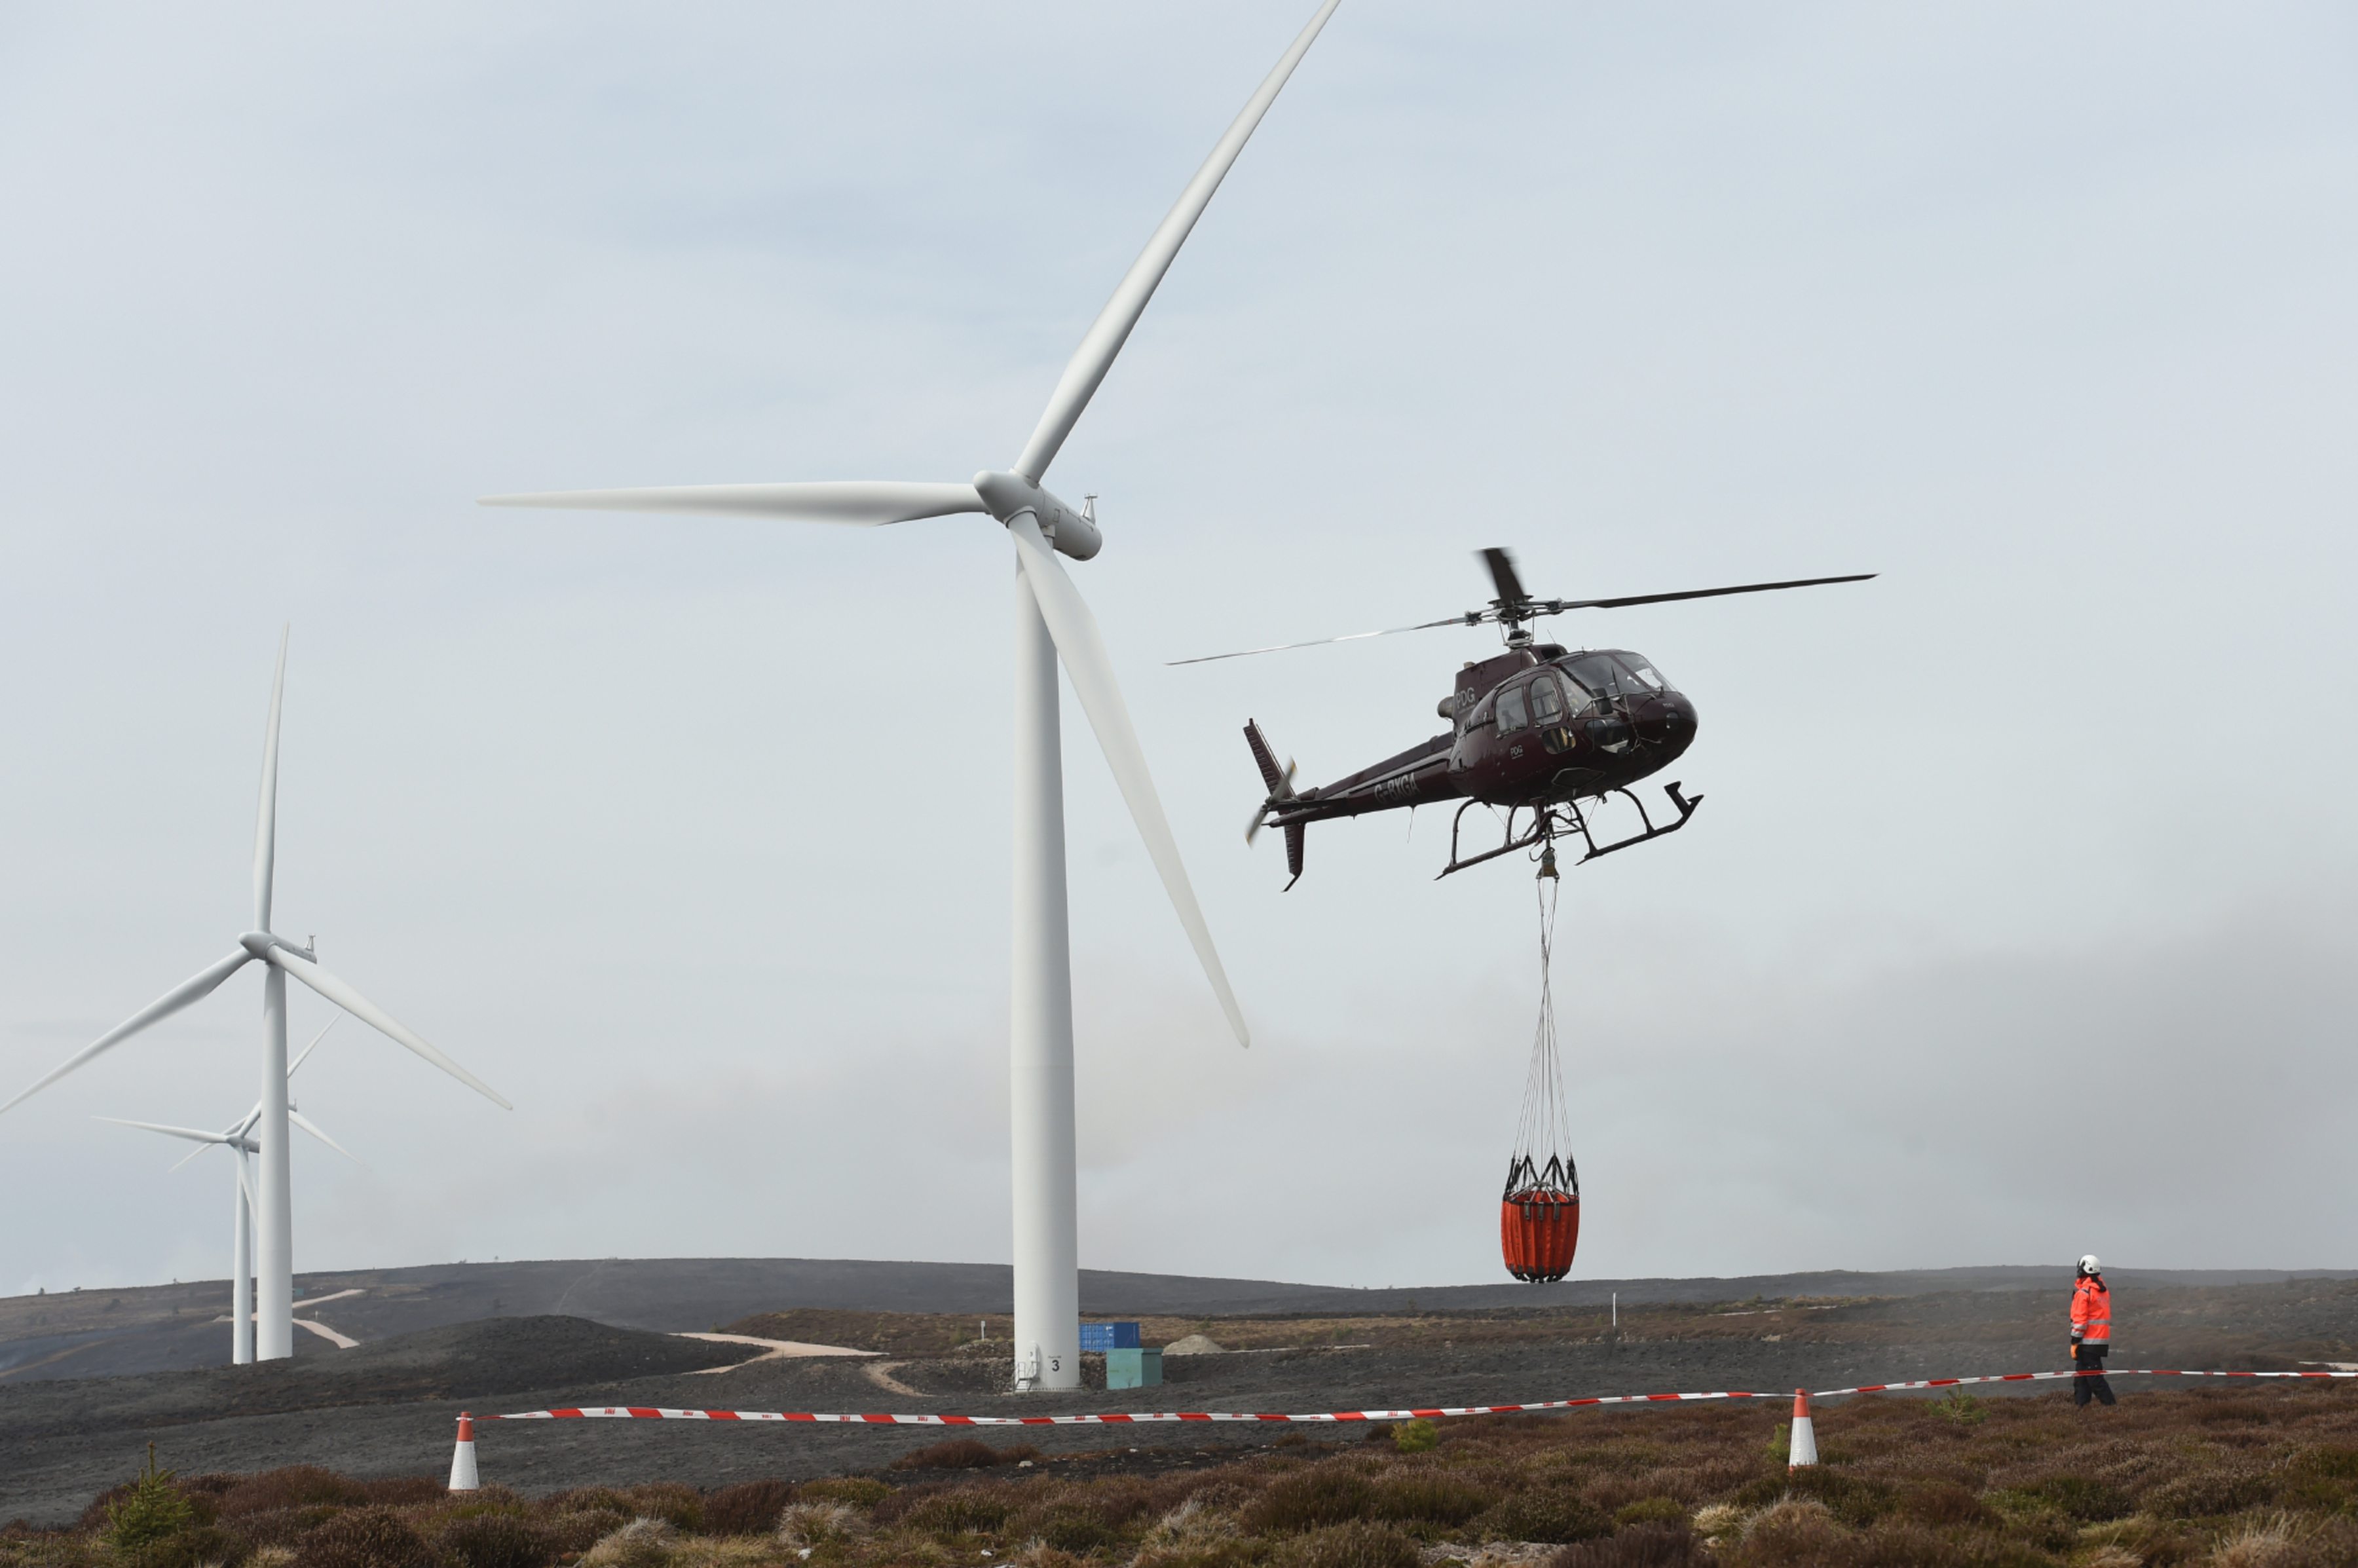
1646,678
1547,701
1600,675
1511,713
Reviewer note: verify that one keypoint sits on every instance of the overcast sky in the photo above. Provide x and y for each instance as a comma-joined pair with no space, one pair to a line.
2019,920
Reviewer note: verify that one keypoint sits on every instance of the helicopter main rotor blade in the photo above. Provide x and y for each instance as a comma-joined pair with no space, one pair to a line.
1556,606
1111,330
853,502
1075,631
1535,608
1501,562
1471,618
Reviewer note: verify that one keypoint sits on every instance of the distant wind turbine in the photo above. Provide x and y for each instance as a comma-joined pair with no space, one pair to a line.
239,1140
274,1227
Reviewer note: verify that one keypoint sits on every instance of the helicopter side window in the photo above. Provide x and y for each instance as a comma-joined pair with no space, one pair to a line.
1547,702
1511,714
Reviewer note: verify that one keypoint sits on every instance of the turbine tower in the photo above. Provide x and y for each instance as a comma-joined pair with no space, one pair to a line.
239,1140
274,1214
1051,622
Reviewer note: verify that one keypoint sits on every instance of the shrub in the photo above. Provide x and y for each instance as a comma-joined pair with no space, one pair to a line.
1942,1502
1309,1499
808,1525
363,1538
1651,1510
1852,1499
1356,1545
1418,1436
749,1507
642,1543
1067,1525
291,1486
1551,1515
400,1491
2219,1489
958,1512
679,1506
1659,1545
1428,1497
958,1453
280,1528
150,1511
495,1541
1800,1534
1960,1409
578,1530
2079,1498
852,1491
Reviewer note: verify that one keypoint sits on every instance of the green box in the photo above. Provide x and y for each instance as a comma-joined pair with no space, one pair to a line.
1133,1368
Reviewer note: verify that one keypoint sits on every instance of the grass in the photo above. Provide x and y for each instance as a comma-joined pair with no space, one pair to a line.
2266,1480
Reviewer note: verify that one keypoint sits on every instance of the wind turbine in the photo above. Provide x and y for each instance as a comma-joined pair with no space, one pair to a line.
1051,622
239,1140
275,1220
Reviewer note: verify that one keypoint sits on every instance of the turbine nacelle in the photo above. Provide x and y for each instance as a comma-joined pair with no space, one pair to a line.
1007,496
259,942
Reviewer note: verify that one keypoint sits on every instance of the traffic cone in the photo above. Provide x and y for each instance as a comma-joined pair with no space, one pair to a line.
1803,1449
463,1459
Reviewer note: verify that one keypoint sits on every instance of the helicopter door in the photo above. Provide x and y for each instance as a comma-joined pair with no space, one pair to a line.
1547,712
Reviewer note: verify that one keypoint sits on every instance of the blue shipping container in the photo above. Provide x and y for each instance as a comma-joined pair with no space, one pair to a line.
1102,1336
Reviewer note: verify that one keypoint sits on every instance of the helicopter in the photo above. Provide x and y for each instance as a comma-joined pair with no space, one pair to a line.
1544,732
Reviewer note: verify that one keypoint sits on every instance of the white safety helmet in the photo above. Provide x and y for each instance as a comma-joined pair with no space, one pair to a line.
2087,1264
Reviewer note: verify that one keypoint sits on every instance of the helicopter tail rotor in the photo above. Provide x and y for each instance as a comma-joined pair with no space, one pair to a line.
1281,791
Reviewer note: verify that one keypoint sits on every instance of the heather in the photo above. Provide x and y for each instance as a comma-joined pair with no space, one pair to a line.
2258,1478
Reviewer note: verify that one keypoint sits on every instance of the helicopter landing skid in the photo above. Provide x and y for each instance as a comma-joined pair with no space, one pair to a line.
1566,817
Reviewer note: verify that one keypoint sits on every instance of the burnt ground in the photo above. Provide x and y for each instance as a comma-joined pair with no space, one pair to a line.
387,1408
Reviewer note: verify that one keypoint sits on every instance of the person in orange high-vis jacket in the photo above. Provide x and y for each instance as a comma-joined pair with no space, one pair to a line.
2091,1333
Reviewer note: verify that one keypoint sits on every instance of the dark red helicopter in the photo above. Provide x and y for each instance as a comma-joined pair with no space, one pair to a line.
1538,729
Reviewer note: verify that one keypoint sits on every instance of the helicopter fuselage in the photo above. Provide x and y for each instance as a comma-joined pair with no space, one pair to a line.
1535,726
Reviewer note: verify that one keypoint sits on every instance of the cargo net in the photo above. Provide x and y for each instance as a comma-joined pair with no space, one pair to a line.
1538,1213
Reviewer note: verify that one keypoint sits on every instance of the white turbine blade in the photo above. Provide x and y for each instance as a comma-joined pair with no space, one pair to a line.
857,503
1111,328
195,988
1075,631
244,1184
299,1120
246,1126
376,1018
184,1158
190,1133
265,824
307,1050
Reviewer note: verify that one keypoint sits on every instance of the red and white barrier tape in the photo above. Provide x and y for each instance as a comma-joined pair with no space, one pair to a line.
1137,1418
653,1412
2047,1376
